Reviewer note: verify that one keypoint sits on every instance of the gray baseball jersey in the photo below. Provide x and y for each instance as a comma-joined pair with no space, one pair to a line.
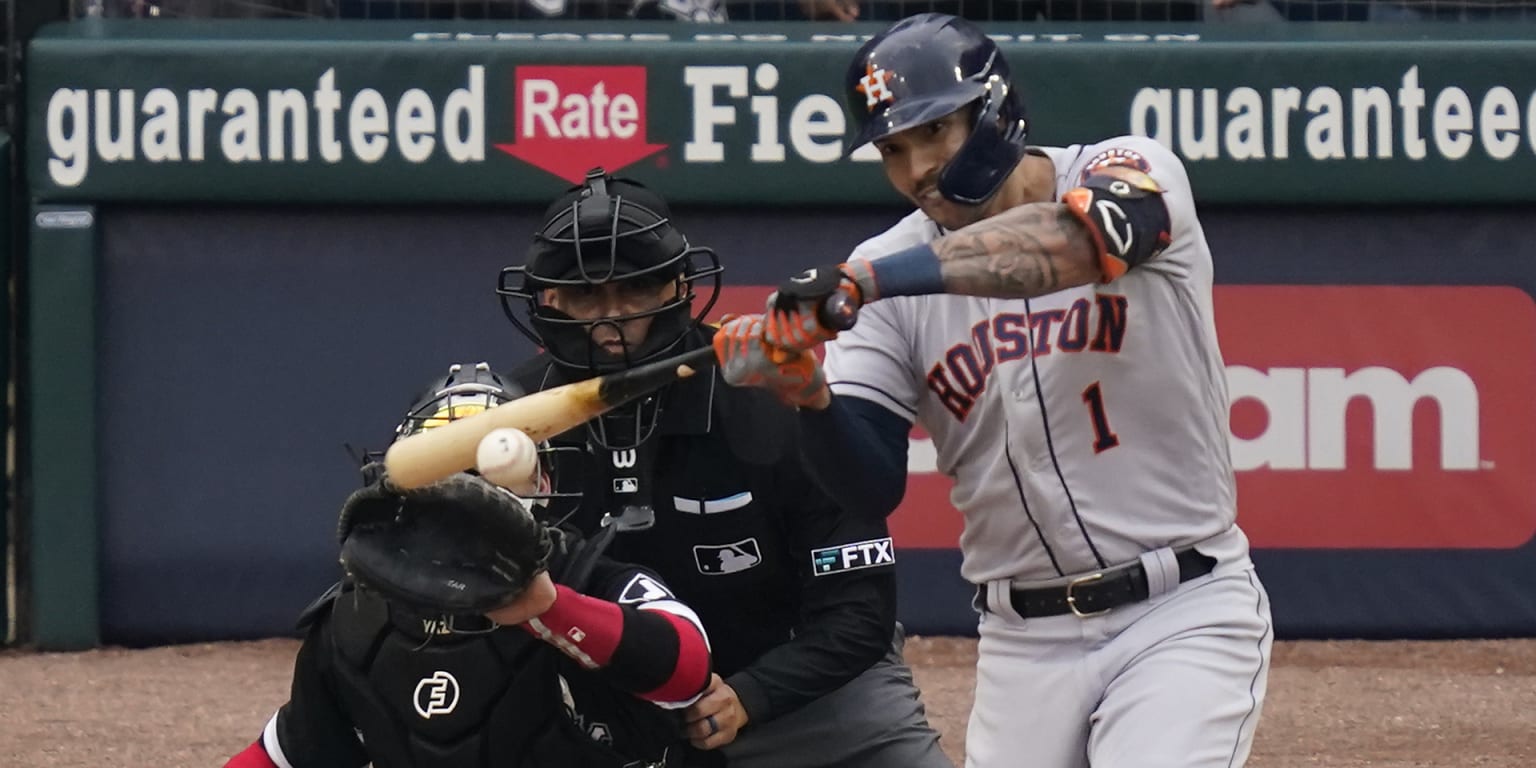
1082,428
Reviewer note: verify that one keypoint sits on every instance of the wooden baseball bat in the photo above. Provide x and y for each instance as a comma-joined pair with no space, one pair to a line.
434,454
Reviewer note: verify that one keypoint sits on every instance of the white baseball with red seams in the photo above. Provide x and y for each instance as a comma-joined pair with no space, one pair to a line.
509,458
1085,430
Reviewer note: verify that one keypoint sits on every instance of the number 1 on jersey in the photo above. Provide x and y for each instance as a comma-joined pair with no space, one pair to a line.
1104,438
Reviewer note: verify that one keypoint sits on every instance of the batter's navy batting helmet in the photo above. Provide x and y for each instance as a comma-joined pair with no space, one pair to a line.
925,67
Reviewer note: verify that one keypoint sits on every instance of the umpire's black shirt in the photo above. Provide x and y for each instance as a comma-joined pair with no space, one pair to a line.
797,597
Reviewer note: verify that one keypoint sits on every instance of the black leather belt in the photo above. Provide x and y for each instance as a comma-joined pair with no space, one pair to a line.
1097,592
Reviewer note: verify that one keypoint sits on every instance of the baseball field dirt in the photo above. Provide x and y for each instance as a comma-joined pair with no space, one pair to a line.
1331,704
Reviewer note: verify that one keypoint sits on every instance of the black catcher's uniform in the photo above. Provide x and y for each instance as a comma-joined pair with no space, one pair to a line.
376,683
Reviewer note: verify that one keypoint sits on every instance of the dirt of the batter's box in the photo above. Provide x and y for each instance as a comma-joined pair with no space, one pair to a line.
1338,704
1330,705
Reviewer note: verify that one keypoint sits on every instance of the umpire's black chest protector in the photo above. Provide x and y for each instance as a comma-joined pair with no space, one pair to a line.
718,451
424,698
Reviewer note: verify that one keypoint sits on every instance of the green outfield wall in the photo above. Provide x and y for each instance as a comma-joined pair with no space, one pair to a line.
227,218
59,443
9,554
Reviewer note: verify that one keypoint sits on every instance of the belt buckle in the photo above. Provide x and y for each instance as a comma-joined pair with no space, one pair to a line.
1072,599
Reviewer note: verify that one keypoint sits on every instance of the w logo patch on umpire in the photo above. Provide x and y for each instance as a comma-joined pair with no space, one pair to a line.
852,557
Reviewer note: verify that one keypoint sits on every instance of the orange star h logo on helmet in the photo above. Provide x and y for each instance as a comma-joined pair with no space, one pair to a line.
873,86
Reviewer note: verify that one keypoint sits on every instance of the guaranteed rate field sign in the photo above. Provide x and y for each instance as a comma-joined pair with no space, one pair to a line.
748,113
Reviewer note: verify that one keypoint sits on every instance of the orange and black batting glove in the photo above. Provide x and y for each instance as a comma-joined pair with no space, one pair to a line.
813,306
748,361
1125,215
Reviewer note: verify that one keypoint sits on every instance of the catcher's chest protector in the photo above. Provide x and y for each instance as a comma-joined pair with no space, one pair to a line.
458,701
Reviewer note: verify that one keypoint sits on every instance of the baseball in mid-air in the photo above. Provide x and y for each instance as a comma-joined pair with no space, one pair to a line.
508,458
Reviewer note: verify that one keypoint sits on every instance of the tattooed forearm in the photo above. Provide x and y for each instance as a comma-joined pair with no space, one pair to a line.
1023,252
1009,262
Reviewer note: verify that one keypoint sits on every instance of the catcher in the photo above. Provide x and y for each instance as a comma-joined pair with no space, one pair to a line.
470,632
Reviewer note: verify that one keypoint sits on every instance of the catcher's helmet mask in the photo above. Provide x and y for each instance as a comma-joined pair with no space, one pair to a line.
610,230
931,65
469,389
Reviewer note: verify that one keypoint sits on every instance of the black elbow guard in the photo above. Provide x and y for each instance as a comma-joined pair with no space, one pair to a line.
1124,212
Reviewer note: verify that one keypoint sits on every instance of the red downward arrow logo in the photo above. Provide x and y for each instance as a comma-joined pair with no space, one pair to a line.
569,119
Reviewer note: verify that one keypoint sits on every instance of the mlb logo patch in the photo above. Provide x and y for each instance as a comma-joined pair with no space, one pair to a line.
852,557
727,558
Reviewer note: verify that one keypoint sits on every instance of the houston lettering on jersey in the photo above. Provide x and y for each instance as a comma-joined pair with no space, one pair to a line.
1086,326
1411,431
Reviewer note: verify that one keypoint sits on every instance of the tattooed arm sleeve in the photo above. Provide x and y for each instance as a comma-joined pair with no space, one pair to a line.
1023,252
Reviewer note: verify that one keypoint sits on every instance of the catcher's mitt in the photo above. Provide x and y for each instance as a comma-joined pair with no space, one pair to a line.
460,545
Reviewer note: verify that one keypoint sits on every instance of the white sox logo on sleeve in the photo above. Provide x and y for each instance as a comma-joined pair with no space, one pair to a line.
641,589
852,557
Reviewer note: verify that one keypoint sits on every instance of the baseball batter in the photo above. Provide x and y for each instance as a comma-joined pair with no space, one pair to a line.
1046,316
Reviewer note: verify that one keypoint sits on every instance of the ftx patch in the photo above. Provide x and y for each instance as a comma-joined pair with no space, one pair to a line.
851,557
